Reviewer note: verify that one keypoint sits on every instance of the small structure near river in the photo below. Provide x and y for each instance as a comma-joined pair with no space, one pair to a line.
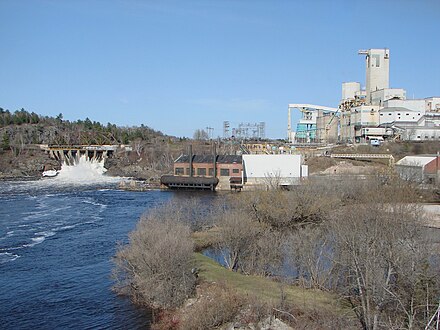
225,172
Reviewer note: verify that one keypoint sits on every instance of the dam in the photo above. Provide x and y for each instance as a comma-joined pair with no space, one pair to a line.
70,153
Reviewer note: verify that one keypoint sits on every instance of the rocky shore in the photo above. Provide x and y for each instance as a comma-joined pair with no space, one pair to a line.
30,163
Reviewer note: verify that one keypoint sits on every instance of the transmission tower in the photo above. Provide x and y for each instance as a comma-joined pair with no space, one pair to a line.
226,127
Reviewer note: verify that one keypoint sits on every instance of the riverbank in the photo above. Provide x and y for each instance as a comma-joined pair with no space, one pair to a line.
231,300
29,164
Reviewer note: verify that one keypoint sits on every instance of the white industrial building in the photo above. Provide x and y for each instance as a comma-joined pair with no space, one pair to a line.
383,110
378,111
271,171
377,62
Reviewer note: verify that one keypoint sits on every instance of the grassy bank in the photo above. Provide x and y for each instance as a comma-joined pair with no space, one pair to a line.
269,291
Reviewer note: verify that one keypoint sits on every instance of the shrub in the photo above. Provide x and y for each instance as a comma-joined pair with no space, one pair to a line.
155,267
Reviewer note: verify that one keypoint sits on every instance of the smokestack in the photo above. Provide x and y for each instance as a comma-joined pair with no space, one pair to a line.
215,160
190,161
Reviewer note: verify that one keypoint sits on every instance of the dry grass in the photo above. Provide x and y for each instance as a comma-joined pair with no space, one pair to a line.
267,290
205,239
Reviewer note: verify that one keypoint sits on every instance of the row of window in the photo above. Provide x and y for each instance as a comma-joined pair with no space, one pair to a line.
202,171
389,114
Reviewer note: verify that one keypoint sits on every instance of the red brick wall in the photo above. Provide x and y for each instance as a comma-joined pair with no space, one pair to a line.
431,167
238,166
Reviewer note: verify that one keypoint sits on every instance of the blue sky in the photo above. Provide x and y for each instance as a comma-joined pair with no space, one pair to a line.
178,66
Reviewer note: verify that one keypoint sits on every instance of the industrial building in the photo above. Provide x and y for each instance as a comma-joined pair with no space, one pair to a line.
225,172
421,169
272,171
385,111
376,112
205,172
319,124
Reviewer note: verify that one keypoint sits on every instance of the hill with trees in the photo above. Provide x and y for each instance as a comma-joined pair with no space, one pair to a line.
22,131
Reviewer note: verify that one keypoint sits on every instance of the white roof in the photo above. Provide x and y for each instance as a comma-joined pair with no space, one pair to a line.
419,161
303,106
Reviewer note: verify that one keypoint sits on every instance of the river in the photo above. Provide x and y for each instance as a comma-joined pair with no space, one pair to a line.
56,245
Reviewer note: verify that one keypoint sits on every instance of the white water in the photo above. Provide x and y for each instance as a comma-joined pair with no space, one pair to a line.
85,171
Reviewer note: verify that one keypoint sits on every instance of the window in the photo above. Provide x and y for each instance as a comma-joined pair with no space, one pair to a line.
201,171
187,171
179,171
235,170
211,172
224,172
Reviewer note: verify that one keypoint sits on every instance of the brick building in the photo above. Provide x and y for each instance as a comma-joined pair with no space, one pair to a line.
226,167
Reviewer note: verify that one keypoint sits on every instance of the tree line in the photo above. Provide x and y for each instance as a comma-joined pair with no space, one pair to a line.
22,127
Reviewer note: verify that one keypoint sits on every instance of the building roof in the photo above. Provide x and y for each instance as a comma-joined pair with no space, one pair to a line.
417,161
221,159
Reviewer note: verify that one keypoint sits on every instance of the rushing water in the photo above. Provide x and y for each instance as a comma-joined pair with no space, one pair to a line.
57,238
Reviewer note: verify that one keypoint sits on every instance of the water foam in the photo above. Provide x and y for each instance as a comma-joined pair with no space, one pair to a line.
7,257
35,241
84,171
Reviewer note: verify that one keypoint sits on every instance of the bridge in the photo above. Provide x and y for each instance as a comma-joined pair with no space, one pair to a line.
366,156
69,153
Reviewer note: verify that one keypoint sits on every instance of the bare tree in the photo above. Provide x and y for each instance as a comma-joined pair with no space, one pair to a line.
283,209
309,251
200,134
247,245
237,231
155,267
383,265
272,180
138,146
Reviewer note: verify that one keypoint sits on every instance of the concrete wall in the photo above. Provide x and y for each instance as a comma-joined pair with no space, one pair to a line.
380,96
398,115
365,115
418,133
377,64
326,127
433,104
350,90
272,169
410,173
414,105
